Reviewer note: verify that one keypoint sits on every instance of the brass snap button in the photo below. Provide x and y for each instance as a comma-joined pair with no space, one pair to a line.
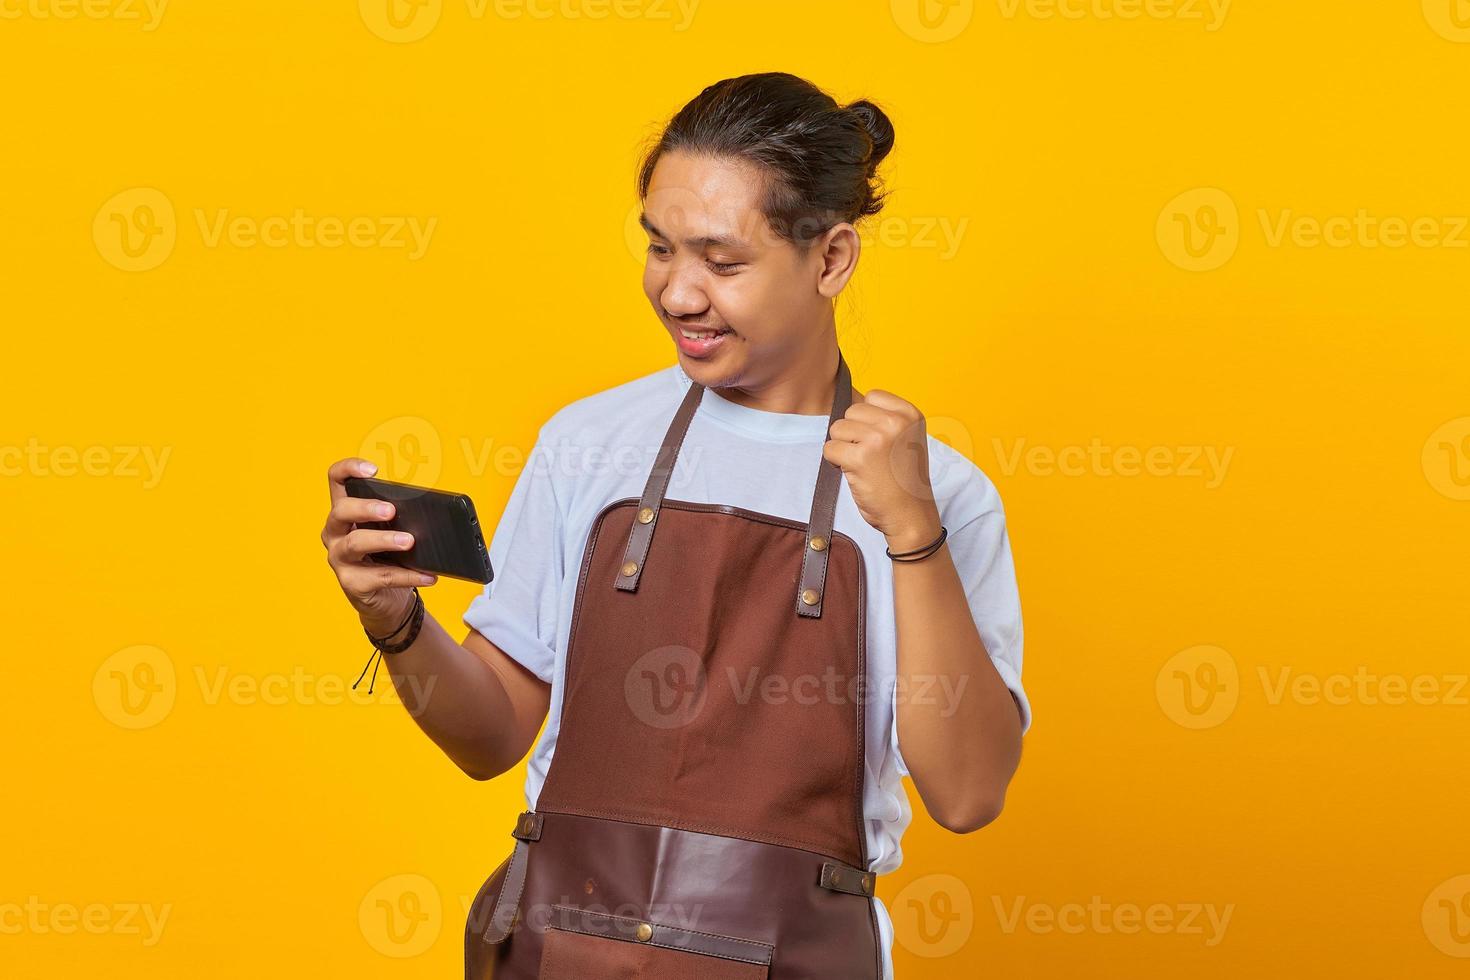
644,932
818,543
809,596
629,567
645,516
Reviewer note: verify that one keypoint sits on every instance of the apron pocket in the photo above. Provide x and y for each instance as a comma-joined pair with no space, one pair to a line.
495,912
584,945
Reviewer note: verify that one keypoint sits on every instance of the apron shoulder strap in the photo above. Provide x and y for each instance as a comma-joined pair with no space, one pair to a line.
641,536
824,510
819,524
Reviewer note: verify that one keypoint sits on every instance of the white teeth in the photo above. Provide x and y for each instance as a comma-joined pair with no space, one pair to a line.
702,335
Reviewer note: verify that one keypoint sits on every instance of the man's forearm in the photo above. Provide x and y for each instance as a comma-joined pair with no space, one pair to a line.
958,725
457,699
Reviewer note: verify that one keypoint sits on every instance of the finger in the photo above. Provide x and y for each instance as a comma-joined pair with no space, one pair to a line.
843,454
360,510
357,545
879,398
337,475
870,414
339,471
364,580
851,430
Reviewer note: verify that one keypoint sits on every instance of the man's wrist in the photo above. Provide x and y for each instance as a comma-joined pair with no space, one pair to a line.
386,624
916,532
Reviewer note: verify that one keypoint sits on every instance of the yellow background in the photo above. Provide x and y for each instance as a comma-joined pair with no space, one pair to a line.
280,823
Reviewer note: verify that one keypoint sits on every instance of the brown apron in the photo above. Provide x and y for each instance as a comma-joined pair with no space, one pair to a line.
703,812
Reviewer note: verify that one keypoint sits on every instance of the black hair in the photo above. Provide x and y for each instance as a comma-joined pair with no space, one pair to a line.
820,158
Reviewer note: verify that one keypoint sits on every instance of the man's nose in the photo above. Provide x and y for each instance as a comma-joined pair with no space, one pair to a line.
683,294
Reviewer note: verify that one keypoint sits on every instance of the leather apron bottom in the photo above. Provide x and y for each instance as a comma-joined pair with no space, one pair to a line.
698,820
620,901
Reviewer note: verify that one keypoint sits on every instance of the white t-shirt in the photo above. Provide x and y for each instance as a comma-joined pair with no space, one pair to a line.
602,447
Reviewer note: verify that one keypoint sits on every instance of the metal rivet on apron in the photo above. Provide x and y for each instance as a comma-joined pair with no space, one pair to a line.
818,543
629,567
645,516
644,933
809,596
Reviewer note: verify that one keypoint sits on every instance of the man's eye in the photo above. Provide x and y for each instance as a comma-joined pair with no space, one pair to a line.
719,268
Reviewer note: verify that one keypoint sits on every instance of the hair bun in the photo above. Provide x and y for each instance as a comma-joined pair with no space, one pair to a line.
879,128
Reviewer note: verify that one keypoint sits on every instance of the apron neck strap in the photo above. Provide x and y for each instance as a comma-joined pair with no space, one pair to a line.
824,509
819,523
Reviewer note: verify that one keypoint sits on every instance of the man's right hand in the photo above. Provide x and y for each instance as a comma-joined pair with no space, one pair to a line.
381,593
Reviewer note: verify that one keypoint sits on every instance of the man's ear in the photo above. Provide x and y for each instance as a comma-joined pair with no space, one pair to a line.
838,252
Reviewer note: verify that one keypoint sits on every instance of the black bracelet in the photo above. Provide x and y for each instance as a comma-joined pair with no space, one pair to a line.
919,554
412,610
414,621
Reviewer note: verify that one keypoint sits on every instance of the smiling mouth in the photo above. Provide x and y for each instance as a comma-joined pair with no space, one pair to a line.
702,334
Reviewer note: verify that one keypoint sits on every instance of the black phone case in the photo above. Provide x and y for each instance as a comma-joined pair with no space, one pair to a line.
446,533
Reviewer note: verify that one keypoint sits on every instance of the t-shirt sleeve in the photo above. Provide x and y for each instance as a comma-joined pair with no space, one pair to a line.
980,548
519,610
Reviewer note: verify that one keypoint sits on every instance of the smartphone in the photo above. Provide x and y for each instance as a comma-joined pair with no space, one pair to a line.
446,532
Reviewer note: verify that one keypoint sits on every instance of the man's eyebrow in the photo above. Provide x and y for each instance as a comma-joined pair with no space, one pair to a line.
705,241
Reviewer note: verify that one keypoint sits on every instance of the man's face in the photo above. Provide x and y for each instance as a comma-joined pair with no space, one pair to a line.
715,265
